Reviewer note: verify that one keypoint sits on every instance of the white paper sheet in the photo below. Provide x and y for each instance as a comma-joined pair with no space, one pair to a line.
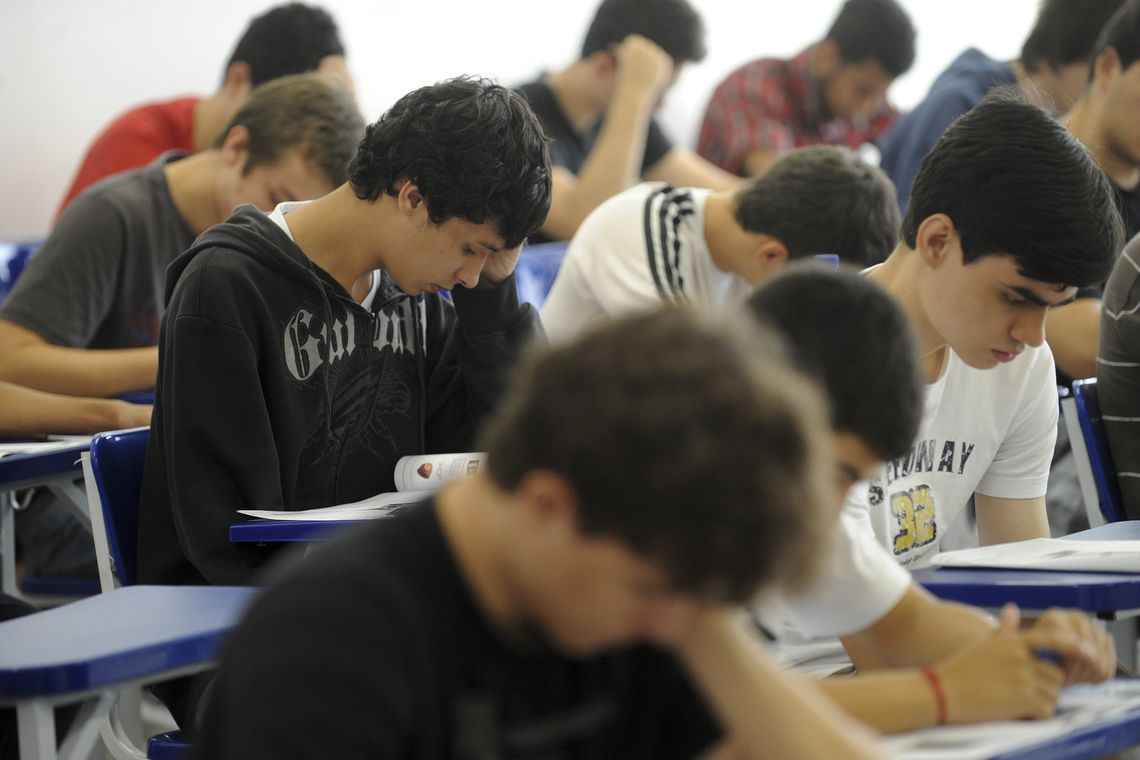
1079,706
1049,554
381,505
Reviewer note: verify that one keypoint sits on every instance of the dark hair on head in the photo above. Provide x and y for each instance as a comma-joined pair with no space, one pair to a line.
473,148
690,440
848,334
1065,32
307,111
823,199
287,39
875,30
1016,183
673,25
1122,34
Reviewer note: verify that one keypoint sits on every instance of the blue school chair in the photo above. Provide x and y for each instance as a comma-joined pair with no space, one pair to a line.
1095,469
537,269
112,473
13,258
93,650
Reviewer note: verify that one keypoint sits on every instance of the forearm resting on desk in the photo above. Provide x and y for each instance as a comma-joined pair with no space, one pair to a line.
24,411
27,360
919,630
764,711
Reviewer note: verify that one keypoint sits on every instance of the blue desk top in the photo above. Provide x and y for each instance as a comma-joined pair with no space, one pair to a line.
112,638
1034,589
287,531
1103,738
21,468
1039,589
1127,530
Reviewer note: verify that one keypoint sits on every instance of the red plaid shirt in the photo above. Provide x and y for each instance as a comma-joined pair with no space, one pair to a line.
773,104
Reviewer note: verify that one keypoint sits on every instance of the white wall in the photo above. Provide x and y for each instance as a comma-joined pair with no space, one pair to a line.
66,66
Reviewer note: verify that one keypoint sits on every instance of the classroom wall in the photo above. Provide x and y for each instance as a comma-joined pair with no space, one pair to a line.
66,66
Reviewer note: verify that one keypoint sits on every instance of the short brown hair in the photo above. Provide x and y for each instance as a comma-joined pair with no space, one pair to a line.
823,199
689,439
306,110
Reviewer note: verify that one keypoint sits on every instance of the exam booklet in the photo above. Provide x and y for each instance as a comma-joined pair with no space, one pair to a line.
415,477
1049,554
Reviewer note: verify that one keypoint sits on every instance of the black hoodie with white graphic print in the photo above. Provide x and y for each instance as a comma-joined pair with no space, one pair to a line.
276,389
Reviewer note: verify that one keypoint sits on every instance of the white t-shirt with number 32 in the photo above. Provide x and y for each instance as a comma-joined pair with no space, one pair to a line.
989,431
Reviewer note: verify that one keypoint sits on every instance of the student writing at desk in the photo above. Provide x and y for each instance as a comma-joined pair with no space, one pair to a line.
571,599
942,662
83,318
833,93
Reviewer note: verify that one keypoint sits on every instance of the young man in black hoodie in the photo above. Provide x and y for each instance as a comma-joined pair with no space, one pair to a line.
305,351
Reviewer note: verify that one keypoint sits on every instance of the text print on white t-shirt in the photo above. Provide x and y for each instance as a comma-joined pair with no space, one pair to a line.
914,508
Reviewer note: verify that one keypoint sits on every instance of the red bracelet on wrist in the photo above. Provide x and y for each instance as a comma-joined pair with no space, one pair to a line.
939,695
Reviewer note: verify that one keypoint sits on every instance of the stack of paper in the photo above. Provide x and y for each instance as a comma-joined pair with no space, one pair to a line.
381,505
1049,554
39,447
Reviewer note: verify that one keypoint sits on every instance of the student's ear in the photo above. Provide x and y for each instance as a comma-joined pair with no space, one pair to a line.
235,146
935,239
549,502
409,199
238,80
769,257
1105,69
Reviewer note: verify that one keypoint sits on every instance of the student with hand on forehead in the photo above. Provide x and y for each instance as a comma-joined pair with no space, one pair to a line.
599,111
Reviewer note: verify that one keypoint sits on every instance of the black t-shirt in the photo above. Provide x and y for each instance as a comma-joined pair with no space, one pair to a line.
569,148
372,647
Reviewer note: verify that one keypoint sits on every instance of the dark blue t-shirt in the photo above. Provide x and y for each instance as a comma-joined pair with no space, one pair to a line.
958,89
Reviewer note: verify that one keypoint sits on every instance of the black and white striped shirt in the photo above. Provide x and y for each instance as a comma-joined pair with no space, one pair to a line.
638,249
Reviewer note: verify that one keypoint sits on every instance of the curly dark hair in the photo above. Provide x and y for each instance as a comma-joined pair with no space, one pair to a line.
690,440
1016,183
286,39
849,334
473,148
823,199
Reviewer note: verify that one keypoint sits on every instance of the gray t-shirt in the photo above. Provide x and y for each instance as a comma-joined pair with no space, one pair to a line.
1118,372
98,280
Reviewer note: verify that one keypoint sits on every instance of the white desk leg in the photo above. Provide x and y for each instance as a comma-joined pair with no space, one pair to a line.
37,730
8,545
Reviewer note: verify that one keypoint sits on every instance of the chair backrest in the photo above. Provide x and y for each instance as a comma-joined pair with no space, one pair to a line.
113,470
537,269
13,258
1095,439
